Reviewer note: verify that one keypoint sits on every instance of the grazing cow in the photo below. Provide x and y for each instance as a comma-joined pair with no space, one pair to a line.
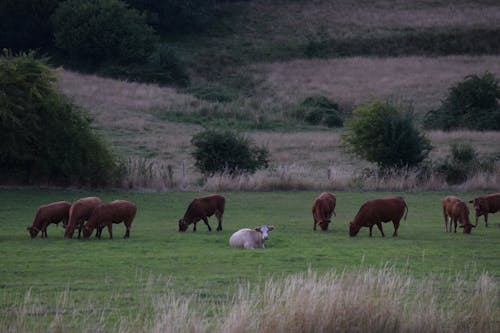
80,212
322,209
201,209
486,204
47,214
106,214
251,238
374,212
455,210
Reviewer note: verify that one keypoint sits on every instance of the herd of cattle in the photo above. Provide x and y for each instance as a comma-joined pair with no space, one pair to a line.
91,213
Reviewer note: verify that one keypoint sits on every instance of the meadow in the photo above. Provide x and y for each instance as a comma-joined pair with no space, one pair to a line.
114,285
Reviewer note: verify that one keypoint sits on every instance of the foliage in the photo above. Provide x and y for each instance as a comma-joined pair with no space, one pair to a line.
318,110
463,163
177,16
102,31
471,103
227,152
44,138
213,93
25,24
163,67
380,133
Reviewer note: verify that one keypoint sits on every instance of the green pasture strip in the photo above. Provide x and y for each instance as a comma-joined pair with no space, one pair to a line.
160,258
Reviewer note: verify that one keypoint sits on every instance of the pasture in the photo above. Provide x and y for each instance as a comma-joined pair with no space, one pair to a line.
112,278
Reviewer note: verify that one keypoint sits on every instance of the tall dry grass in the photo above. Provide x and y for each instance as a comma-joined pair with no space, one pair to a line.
369,300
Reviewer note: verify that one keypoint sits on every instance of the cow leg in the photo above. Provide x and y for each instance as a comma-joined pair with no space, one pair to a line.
396,226
455,224
371,227
194,226
127,232
219,218
379,225
110,230
486,219
206,222
445,221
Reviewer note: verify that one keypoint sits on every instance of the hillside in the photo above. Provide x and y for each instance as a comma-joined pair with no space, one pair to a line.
253,61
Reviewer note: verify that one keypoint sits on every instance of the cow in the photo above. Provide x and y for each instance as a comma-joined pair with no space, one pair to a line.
52,213
374,212
251,238
201,209
105,214
486,204
322,209
456,210
80,212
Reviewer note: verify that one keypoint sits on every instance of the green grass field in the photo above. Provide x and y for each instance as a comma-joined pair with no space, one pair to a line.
159,258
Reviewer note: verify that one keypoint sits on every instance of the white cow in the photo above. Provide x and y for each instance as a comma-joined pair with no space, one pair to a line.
251,238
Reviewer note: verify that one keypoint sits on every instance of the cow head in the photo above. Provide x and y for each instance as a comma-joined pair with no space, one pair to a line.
69,232
353,229
87,231
264,230
324,225
33,231
183,225
479,204
467,228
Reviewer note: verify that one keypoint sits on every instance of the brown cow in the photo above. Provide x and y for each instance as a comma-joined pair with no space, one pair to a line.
47,214
200,209
80,212
377,211
322,209
486,204
106,214
455,210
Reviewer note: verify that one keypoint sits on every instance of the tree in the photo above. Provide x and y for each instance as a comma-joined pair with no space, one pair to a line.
44,138
380,133
471,103
226,151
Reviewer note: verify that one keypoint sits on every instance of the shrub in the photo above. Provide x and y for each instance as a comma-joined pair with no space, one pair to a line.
213,93
317,110
177,16
472,103
380,133
25,24
227,152
43,137
94,32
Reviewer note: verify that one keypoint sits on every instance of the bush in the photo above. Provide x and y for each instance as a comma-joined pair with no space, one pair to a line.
227,152
43,137
177,16
25,24
94,32
472,103
318,110
380,133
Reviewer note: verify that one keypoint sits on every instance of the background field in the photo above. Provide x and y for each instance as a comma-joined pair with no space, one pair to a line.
117,275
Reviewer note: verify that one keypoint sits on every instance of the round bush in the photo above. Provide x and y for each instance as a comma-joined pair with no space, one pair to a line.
472,103
101,31
380,133
318,110
44,138
227,152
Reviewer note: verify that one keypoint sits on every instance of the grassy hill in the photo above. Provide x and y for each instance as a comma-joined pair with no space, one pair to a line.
251,67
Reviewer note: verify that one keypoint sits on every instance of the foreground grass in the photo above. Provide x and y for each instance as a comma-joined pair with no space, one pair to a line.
118,277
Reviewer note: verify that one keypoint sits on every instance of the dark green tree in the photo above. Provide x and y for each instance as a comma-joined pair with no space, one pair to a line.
471,103
227,152
380,133
44,138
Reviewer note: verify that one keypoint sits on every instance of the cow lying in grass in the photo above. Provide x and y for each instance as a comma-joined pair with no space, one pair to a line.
374,212
322,209
201,209
486,204
455,210
47,214
106,214
251,238
80,212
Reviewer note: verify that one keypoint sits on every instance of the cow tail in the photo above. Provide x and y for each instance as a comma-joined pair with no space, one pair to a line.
406,214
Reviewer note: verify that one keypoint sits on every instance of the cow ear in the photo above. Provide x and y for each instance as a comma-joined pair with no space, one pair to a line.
271,227
257,229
